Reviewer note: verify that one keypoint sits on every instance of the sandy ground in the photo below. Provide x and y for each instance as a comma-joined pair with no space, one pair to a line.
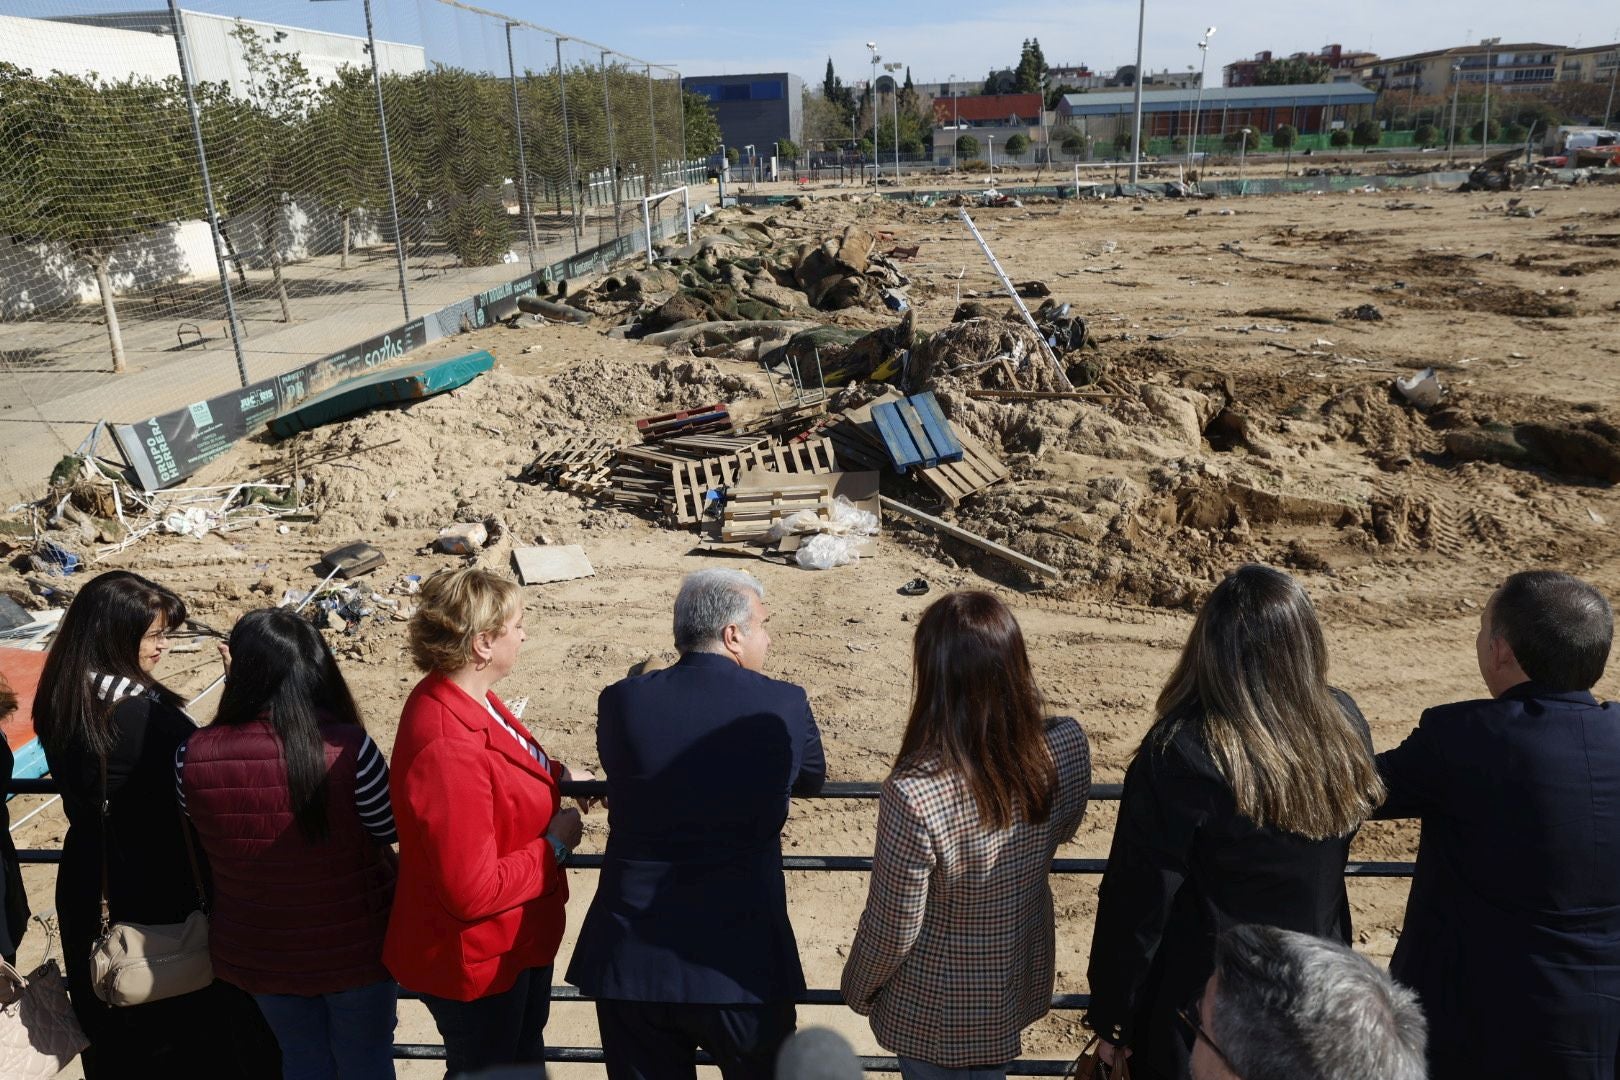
1398,541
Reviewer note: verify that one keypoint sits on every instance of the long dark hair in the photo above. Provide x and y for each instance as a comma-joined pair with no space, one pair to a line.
976,711
1253,676
101,634
283,672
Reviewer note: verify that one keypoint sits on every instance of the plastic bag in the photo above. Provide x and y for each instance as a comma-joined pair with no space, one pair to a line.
827,550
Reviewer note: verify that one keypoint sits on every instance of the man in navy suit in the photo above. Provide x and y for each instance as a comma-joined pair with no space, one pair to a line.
1512,935
687,943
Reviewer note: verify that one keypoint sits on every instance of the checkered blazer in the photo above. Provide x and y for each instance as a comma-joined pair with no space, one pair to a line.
954,956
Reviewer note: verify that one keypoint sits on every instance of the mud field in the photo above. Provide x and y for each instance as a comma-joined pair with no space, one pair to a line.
1249,420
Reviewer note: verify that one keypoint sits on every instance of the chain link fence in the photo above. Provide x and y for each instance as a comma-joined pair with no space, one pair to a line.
194,201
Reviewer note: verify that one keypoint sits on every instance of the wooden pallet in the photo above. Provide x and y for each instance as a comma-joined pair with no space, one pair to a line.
750,514
705,446
915,432
977,470
693,480
782,421
569,454
699,420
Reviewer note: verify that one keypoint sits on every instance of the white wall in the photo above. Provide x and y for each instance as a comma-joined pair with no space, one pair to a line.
43,46
217,57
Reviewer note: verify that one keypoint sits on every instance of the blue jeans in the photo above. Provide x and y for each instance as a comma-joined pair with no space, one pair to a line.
348,1034
507,1028
915,1069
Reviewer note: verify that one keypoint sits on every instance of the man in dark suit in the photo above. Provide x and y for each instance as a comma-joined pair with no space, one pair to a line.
1512,935
687,943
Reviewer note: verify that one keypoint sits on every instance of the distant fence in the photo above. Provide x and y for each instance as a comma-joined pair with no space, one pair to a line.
839,863
204,201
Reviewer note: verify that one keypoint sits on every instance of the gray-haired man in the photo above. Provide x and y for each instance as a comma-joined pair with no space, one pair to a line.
1288,1006
687,942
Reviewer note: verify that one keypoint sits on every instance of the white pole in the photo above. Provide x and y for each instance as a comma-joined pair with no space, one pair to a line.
1203,47
646,221
1136,140
991,139
956,122
875,58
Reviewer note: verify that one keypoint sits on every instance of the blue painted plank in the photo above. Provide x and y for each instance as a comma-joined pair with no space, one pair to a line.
947,447
30,758
903,449
387,387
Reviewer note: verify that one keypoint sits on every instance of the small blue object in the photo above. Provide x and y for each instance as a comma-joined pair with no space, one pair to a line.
61,559
31,764
392,386
915,432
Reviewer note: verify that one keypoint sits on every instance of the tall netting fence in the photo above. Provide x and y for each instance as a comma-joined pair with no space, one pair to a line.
197,200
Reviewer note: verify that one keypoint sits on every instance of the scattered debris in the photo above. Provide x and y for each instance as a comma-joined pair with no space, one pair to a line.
552,562
1422,390
391,386
1362,313
958,533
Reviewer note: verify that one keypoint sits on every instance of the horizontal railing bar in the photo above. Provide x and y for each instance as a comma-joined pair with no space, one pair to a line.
806,997
590,1055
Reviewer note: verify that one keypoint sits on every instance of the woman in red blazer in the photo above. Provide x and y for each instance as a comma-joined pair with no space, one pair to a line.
478,910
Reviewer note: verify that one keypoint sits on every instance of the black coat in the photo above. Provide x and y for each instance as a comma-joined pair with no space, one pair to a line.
691,905
1512,934
13,899
1184,866
213,1032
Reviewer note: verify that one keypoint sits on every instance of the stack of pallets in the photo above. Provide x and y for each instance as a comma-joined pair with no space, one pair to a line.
861,444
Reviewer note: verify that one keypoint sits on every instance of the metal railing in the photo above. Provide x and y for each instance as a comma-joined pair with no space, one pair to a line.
591,1055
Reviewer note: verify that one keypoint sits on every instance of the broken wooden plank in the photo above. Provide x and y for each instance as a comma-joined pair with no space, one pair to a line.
958,533
1043,395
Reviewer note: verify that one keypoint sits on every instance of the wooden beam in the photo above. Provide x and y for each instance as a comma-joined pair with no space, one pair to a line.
975,539
1042,395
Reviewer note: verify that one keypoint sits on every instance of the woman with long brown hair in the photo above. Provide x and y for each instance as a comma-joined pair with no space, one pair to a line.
955,952
1238,808
110,728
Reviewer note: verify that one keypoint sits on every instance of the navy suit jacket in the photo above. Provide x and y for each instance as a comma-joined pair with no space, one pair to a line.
691,905
1512,934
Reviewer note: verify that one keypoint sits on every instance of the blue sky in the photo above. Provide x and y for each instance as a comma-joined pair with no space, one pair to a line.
940,38
937,39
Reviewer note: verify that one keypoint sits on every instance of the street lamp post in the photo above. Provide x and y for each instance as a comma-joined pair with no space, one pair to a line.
1243,152
894,103
1485,124
1456,84
1136,104
956,123
875,58
1198,102
991,139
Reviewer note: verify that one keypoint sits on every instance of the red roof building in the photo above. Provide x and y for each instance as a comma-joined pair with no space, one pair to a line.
989,110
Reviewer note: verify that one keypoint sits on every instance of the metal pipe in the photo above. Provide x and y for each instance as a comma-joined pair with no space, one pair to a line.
388,162
524,205
1198,102
1136,137
208,190
568,148
652,120
613,153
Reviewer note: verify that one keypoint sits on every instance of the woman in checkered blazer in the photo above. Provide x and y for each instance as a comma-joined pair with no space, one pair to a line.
954,956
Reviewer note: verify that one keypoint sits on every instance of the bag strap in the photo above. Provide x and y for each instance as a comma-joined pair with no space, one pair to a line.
185,833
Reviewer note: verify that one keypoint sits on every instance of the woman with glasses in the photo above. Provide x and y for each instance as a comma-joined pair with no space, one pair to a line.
108,724
955,954
1238,808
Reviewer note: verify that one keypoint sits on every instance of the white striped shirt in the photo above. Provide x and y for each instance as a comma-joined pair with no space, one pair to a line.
529,746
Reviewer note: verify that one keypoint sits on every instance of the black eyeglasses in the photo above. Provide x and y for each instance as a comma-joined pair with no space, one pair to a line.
1189,1014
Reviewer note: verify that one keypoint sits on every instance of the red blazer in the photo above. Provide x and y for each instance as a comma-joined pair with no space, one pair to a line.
480,896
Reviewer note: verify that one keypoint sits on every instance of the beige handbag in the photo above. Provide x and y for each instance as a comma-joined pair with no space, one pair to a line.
39,1034
134,963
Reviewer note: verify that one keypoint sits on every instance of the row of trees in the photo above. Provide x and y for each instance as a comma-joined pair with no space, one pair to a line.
89,166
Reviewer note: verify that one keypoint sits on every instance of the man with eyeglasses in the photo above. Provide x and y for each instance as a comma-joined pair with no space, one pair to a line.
1287,1006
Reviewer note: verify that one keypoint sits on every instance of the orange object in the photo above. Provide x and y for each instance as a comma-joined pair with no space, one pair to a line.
21,669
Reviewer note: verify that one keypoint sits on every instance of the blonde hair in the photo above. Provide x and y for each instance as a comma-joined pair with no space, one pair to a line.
455,607
1253,679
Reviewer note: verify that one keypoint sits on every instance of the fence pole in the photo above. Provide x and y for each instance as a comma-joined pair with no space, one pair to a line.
568,147
524,206
208,190
388,164
680,114
652,118
613,153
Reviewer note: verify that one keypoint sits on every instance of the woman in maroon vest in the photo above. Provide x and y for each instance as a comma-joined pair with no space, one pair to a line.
290,798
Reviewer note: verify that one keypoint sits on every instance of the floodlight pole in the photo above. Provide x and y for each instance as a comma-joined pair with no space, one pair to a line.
875,58
1485,124
1198,103
1136,140
1451,138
